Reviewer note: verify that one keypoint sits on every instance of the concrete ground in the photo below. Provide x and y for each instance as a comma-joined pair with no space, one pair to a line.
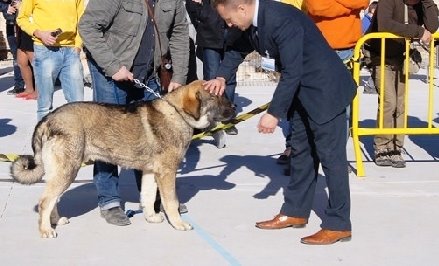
394,211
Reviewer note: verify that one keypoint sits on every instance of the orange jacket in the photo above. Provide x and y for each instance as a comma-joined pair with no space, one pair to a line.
338,20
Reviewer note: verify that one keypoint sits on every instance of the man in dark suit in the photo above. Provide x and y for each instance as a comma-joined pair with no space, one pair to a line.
313,91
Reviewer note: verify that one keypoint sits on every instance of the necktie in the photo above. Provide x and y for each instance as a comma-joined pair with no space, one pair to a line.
254,37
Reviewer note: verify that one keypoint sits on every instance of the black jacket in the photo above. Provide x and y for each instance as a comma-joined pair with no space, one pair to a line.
208,24
10,18
311,71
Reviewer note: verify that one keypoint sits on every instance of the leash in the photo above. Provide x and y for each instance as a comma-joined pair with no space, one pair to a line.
139,84
225,125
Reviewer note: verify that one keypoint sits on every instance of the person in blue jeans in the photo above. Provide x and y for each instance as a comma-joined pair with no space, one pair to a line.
9,13
212,41
121,45
56,53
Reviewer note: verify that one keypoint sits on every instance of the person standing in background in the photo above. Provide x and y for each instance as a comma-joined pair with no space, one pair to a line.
340,23
369,86
212,42
54,27
25,57
410,19
9,11
122,44
368,14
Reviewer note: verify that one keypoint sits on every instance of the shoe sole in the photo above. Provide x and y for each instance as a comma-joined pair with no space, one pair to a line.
384,164
118,224
398,166
296,226
343,239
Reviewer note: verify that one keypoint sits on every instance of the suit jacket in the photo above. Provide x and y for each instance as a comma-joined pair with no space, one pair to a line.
311,71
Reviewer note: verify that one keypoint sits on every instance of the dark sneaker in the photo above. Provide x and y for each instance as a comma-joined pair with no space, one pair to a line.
231,131
396,159
220,139
15,90
115,216
382,158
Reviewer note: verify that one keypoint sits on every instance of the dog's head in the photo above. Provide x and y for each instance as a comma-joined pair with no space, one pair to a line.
203,107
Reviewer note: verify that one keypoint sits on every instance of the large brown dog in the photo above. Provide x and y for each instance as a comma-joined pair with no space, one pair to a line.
149,136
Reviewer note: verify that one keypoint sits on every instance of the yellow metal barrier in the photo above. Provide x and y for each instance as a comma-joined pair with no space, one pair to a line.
358,131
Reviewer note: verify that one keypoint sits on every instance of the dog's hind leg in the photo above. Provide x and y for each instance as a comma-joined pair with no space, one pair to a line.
47,203
166,183
61,170
147,198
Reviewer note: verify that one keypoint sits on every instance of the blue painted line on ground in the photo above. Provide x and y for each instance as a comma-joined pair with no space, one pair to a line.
215,245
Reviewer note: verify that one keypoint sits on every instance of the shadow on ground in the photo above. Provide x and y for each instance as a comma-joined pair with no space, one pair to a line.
6,83
6,129
429,143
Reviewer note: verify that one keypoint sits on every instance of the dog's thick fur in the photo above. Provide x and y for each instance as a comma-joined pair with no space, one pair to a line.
149,136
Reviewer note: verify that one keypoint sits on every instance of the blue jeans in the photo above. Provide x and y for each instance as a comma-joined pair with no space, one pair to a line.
345,54
106,90
211,61
18,80
57,62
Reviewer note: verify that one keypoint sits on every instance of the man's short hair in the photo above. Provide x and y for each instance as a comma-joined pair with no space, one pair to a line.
215,3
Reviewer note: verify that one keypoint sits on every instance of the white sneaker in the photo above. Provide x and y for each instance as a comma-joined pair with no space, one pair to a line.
220,139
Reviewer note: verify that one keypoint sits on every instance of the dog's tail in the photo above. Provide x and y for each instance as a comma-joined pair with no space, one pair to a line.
28,169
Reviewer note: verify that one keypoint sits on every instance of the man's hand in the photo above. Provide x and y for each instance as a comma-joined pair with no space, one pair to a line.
11,10
267,124
45,37
173,85
216,86
426,37
122,74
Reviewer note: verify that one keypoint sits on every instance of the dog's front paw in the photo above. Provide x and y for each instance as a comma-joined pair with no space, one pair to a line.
154,218
50,233
183,226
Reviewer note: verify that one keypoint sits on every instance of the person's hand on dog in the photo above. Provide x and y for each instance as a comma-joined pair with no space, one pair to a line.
122,74
215,86
267,124
173,85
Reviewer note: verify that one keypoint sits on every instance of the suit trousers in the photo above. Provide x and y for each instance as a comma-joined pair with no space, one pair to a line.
312,144
394,105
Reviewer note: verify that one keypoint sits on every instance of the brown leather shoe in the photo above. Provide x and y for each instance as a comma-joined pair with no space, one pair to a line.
327,237
281,221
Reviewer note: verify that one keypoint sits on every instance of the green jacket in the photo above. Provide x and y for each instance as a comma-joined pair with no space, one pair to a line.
112,31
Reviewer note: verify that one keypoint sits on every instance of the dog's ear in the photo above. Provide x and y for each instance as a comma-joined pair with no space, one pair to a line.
191,102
